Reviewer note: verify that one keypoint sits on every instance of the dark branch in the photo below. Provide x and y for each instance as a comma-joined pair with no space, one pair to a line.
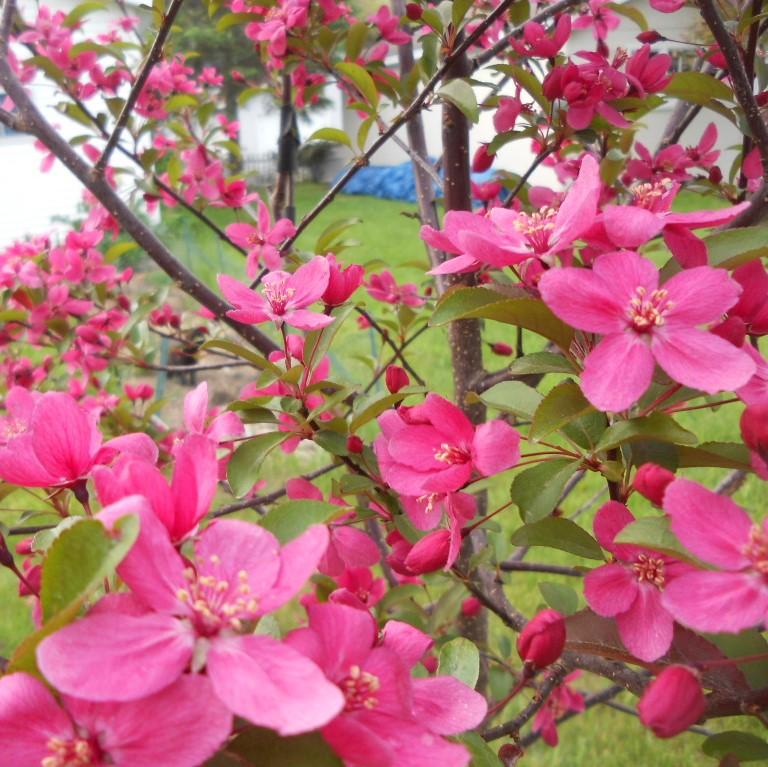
511,566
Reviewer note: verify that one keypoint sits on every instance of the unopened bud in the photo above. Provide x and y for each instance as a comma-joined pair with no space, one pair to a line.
430,553
354,444
672,702
396,378
754,429
510,754
24,547
482,159
430,663
651,481
471,606
542,640
715,174
413,11
651,36
502,349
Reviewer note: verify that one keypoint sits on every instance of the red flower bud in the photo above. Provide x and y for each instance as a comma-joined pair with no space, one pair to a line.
754,429
482,160
413,11
542,640
650,37
510,754
342,283
502,349
651,481
471,606
396,378
24,547
430,553
715,174
672,702
354,444
430,663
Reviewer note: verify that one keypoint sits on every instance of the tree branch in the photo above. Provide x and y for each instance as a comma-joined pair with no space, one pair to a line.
511,566
155,52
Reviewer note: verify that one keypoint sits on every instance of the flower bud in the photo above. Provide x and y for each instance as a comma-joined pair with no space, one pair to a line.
651,481
510,754
715,174
413,11
651,36
429,663
396,378
502,349
354,444
24,547
342,283
754,429
430,553
471,606
672,702
482,159
542,640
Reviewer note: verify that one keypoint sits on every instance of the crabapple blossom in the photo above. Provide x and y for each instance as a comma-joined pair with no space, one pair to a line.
672,702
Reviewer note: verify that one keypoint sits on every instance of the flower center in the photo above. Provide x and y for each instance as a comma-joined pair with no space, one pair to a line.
278,294
254,239
648,569
649,195
359,689
646,311
76,752
451,454
537,228
216,602
756,550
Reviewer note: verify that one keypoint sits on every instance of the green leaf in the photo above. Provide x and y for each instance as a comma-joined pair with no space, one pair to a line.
562,405
653,533
513,397
734,247
460,93
244,353
331,441
558,533
290,519
243,468
80,558
76,565
658,426
80,10
356,39
459,10
625,9
332,232
481,303
482,754
180,101
361,79
529,81
265,748
560,597
698,88
460,658
723,455
537,490
336,135
541,362
743,745
370,410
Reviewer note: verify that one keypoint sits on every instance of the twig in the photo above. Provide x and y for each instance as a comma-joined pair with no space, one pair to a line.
511,566
632,712
730,484
397,350
393,358
155,52
524,178
188,368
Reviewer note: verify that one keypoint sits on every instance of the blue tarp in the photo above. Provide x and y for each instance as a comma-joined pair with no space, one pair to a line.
392,182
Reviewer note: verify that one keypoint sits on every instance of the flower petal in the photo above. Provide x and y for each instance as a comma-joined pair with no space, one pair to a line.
610,589
700,296
646,628
495,447
628,226
447,706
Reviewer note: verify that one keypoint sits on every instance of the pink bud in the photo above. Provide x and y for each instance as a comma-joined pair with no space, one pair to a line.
502,349
413,11
672,702
342,283
650,37
482,160
471,606
715,174
24,547
354,444
430,663
396,378
651,481
754,428
542,640
430,553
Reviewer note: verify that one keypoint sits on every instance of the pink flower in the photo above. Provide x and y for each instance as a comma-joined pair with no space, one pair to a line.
389,719
641,324
506,113
62,443
559,702
672,702
389,26
263,240
180,726
179,507
181,616
383,287
434,448
735,595
630,588
217,427
358,588
537,43
284,298
342,283
601,18
348,547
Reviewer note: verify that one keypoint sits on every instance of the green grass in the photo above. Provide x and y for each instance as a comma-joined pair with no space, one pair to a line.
388,236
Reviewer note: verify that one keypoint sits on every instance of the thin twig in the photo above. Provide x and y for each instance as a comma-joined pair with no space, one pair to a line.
511,566
385,337
155,52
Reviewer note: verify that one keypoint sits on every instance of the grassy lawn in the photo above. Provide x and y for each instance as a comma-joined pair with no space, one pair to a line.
388,236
